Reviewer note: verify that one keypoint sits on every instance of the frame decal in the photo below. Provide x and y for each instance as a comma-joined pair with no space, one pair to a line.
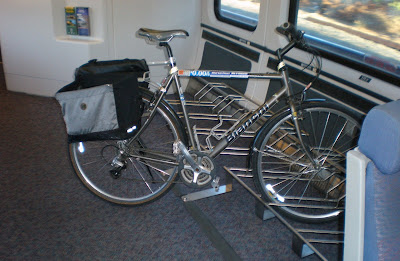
213,74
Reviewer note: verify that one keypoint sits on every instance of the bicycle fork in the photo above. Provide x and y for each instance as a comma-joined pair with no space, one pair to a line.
295,117
295,114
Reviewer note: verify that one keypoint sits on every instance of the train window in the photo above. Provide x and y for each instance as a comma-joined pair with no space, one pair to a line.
241,13
363,32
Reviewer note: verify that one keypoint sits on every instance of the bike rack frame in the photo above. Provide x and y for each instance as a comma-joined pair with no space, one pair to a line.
228,106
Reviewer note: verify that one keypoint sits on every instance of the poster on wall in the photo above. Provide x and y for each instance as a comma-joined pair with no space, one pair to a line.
70,20
82,19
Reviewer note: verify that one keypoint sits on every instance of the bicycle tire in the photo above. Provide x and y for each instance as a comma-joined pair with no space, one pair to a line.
285,176
142,181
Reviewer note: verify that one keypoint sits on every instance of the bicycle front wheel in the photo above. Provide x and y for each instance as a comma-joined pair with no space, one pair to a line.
304,189
148,172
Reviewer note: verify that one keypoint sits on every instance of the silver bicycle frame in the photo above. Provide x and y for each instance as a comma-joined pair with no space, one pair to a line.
248,121
245,123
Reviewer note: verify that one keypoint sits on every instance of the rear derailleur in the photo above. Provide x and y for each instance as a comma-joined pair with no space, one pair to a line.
118,164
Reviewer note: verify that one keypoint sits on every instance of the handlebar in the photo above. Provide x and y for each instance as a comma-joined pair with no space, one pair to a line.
294,36
290,31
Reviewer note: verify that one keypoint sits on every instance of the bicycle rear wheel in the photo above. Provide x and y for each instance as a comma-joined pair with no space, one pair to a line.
288,179
149,171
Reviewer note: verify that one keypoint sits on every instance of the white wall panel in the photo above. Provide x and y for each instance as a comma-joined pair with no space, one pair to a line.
129,16
36,50
272,13
37,59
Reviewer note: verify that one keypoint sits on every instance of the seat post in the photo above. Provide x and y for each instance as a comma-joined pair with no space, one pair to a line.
169,53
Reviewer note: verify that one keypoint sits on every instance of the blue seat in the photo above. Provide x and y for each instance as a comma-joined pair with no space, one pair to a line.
372,218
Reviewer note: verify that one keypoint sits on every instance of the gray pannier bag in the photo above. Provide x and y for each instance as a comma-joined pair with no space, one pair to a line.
103,102
89,110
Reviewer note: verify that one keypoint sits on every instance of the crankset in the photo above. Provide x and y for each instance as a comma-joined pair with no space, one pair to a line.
196,168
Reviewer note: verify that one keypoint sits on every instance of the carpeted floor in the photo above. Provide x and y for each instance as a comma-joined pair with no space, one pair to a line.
47,214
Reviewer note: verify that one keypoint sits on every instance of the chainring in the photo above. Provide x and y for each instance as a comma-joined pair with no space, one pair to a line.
206,172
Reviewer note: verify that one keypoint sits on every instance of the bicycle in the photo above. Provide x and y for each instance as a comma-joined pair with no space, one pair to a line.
297,157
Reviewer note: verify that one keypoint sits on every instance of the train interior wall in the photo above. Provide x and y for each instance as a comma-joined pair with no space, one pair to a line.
42,61
38,58
337,83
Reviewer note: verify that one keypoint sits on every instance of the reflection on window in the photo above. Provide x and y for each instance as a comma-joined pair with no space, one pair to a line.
364,30
243,13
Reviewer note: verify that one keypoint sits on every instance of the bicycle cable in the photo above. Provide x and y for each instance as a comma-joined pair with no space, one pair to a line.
316,57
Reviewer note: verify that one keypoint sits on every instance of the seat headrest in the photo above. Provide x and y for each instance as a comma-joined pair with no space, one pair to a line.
380,137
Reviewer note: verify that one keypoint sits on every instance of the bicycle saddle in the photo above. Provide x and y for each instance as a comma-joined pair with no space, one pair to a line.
161,36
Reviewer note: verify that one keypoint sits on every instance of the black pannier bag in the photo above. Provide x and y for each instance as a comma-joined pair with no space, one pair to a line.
103,103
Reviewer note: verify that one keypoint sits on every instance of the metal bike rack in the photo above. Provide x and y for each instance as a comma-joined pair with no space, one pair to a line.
226,111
